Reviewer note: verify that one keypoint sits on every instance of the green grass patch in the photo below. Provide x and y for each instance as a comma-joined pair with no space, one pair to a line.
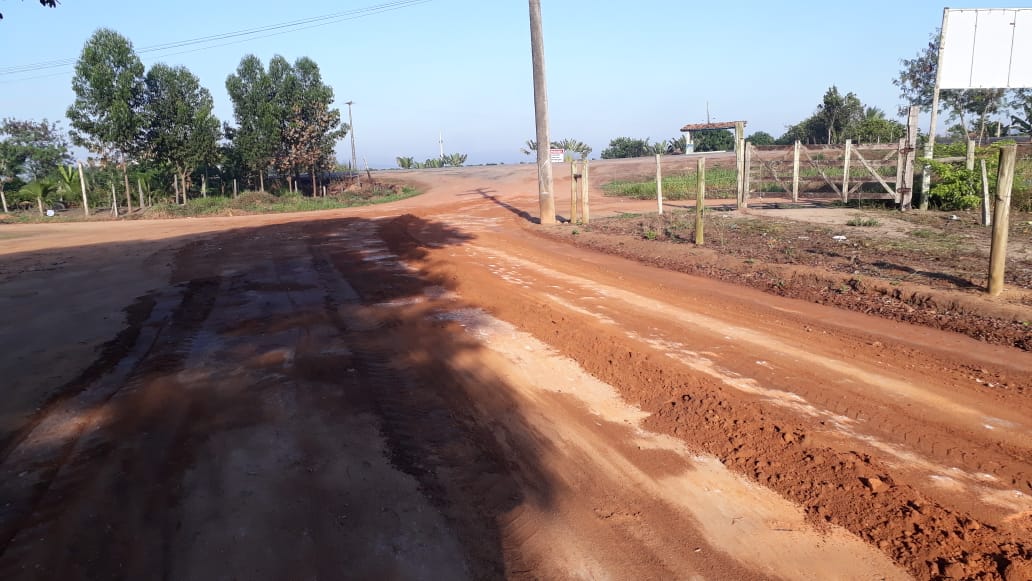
720,184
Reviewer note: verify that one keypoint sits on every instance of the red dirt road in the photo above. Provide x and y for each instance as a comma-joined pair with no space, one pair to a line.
429,390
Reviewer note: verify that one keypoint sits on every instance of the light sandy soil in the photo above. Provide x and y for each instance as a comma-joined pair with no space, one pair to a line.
429,390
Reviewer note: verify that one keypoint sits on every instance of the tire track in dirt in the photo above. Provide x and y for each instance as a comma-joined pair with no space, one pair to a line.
850,489
60,481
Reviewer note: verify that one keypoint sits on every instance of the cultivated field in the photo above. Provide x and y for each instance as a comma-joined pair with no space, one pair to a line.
439,388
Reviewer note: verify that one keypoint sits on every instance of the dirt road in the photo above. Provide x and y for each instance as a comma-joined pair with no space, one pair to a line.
430,390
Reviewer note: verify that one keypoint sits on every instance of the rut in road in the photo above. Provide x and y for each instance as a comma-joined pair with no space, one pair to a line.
303,402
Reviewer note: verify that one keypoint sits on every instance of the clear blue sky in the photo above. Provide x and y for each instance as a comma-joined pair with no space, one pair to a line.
637,69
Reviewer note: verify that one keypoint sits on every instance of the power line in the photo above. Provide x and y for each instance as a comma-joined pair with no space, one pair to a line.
248,34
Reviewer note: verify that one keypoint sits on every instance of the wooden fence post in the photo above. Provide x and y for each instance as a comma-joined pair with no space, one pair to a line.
907,190
114,201
234,187
585,188
82,184
139,190
746,178
1001,218
795,171
700,199
573,191
659,183
900,162
987,213
969,161
740,161
845,171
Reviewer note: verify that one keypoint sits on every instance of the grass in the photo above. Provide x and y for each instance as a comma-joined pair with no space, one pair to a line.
246,203
720,184
863,222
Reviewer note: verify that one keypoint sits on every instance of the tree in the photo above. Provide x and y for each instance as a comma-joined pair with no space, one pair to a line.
455,159
572,145
916,82
310,127
12,160
874,127
257,133
405,162
47,3
1022,117
713,140
180,127
761,138
838,113
42,144
623,147
39,190
109,88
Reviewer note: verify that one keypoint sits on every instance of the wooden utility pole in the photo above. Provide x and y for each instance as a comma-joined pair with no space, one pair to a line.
659,183
544,163
1001,218
700,200
82,184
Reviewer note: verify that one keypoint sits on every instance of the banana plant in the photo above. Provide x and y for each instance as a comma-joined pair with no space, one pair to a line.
39,189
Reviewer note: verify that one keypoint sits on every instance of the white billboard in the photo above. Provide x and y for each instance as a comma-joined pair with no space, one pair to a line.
986,48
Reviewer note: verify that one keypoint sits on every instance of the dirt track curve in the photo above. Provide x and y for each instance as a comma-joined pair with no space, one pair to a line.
430,390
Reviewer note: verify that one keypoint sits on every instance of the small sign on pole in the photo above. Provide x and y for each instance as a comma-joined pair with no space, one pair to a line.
557,155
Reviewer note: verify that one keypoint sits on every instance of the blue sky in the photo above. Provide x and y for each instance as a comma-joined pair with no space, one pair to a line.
462,67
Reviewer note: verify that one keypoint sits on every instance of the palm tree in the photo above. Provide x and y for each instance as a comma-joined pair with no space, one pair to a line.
39,189
455,159
575,146
405,162
529,147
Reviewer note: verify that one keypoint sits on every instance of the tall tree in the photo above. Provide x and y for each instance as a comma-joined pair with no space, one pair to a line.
42,144
180,127
916,82
109,88
257,134
309,125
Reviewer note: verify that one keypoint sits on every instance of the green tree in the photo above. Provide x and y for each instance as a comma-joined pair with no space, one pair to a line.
455,159
761,138
257,133
42,144
570,145
623,147
109,88
838,113
1022,111
39,190
12,160
405,162
713,140
181,130
916,82
310,126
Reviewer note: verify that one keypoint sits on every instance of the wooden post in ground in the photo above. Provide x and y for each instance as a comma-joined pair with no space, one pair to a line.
139,191
585,188
987,212
175,185
795,171
906,191
845,171
900,162
659,183
573,191
234,187
82,184
740,161
700,199
114,200
747,177
969,160
204,185
1001,218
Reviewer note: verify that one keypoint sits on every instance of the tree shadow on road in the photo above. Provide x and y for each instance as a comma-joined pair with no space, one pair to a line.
252,375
